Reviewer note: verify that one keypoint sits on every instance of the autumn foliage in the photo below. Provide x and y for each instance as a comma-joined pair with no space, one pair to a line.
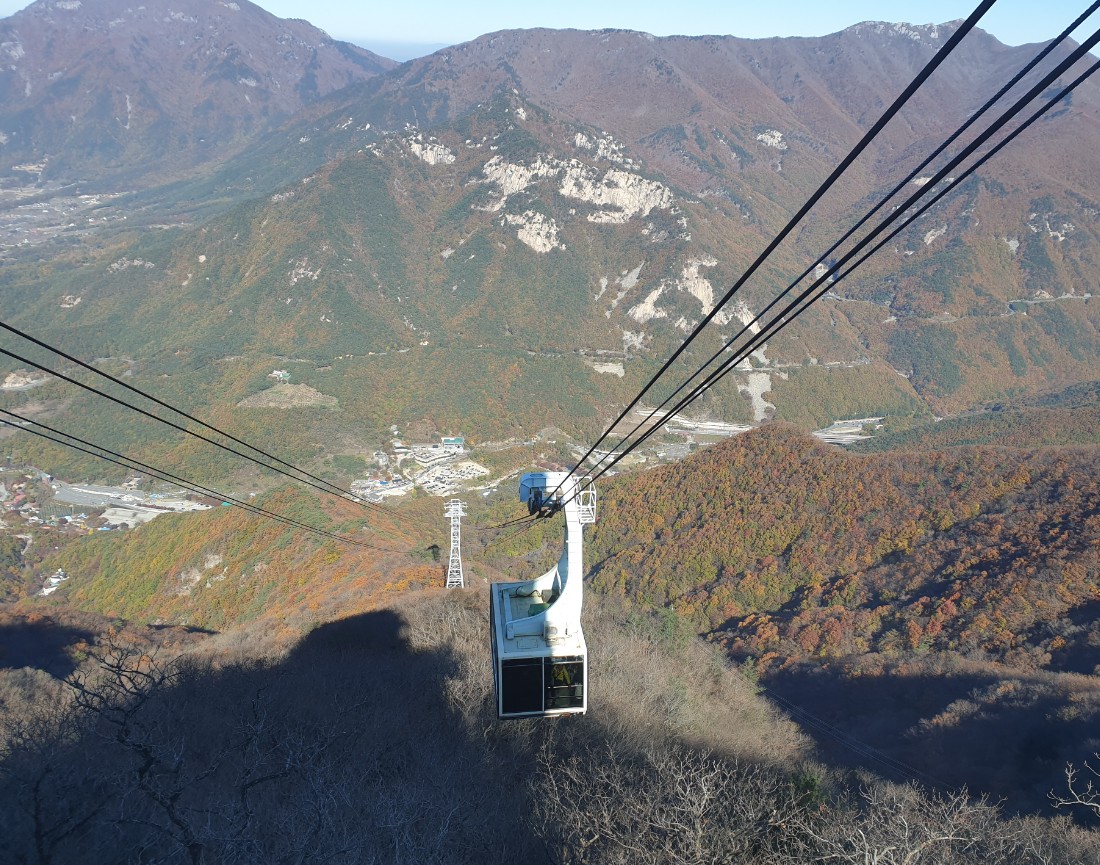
785,548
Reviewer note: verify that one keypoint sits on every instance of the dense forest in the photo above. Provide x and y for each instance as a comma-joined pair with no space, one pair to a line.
788,548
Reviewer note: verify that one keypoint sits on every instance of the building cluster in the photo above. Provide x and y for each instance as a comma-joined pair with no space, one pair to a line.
443,478
376,489
52,583
18,497
438,468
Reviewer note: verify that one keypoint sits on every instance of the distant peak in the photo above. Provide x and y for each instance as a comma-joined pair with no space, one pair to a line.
916,32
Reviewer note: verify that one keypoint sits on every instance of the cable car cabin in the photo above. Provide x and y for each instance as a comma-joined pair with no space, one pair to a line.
540,660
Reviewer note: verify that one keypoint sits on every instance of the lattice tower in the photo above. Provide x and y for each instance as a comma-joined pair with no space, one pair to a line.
456,510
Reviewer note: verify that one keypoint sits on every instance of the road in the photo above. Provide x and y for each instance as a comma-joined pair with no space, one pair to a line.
92,495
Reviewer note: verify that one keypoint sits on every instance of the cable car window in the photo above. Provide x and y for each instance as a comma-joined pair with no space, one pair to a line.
564,683
521,685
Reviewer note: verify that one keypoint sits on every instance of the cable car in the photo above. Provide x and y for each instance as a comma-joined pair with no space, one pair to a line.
540,659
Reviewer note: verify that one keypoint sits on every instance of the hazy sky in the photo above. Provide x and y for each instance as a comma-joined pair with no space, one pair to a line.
451,21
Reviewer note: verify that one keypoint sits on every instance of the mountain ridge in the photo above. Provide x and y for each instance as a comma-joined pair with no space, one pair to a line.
511,232
108,93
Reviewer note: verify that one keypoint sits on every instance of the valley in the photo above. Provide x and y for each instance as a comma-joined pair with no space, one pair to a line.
53,213
841,607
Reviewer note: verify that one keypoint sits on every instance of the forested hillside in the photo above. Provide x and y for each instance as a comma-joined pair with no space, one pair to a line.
793,547
225,568
503,241
492,215
1064,417
951,590
116,97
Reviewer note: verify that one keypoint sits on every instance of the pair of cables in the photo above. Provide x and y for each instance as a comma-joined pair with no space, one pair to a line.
933,64
246,451
237,446
17,421
761,328
951,174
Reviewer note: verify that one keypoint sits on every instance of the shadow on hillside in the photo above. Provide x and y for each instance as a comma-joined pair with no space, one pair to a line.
1082,652
375,632
1009,738
348,749
43,644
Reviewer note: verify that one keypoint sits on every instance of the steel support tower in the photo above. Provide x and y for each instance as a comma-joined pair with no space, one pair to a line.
456,510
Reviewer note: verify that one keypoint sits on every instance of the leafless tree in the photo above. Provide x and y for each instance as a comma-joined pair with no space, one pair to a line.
890,825
51,800
669,805
1083,791
375,741
203,761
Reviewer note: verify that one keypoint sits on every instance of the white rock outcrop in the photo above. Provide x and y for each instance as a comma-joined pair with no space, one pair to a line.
647,309
430,150
756,385
127,263
300,269
740,310
603,148
934,234
511,178
537,230
628,194
627,280
610,368
772,138
633,341
696,285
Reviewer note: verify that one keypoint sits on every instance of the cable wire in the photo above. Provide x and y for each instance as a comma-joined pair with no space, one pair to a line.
843,166
821,286
528,524
136,465
324,486
792,310
308,478
852,743
1041,55
525,518
72,359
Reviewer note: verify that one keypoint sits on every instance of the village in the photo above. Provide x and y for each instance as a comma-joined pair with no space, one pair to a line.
439,468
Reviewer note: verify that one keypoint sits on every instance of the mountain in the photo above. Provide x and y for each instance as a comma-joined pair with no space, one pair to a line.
117,95
508,237
553,210
739,132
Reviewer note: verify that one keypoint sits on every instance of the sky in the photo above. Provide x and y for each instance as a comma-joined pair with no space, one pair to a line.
410,28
